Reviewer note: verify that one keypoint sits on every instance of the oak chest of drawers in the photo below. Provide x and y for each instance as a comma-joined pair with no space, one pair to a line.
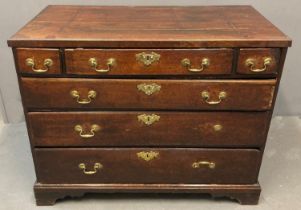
148,99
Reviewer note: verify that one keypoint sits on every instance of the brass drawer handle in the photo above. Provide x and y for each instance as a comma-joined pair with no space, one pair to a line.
47,64
94,128
210,165
91,95
147,58
96,167
111,62
187,64
148,119
149,89
147,156
206,96
251,64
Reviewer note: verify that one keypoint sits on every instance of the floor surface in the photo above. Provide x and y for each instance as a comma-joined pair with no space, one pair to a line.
280,178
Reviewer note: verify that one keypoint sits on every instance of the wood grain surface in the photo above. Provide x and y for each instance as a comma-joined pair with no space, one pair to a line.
169,63
123,94
39,56
258,55
170,166
185,131
154,27
56,129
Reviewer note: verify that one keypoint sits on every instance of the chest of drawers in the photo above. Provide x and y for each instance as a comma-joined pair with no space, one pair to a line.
148,99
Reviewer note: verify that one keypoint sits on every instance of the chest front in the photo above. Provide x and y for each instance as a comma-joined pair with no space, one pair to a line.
148,99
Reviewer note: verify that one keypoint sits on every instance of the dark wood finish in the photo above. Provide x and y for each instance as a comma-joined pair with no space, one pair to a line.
238,29
39,55
121,166
56,129
168,64
258,55
149,27
174,94
47,194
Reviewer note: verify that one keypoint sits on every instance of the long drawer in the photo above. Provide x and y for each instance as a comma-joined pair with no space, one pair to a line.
148,94
152,165
148,62
223,129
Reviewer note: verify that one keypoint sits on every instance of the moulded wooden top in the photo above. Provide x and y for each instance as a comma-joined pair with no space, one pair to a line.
147,27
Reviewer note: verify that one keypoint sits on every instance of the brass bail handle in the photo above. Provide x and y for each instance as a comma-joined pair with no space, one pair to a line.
251,64
91,95
199,164
187,64
94,128
206,96
111,62
47,64
96,167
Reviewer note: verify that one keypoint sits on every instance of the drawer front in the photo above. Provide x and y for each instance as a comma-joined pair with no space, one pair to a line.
151,165
148,94
258,61
148,62
148,129
38,61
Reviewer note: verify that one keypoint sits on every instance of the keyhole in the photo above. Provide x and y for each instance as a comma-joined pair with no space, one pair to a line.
148,118
148,57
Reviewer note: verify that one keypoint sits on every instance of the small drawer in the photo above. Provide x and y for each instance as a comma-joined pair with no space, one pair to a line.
148,62
148,94
258,61
147,165
38,61
210,129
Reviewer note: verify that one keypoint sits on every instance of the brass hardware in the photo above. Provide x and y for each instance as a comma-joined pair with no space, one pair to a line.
210,165
148,119
91,95
94,128
96,167
187,64
206,96
47,63
111,62
251,64
149,89
147,58
217,127
147,156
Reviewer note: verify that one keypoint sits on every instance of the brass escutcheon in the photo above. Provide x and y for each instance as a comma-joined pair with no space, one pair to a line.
147,58
149,89
148,119
147,156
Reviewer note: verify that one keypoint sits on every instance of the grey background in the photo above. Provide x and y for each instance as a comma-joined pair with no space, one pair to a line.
284,14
